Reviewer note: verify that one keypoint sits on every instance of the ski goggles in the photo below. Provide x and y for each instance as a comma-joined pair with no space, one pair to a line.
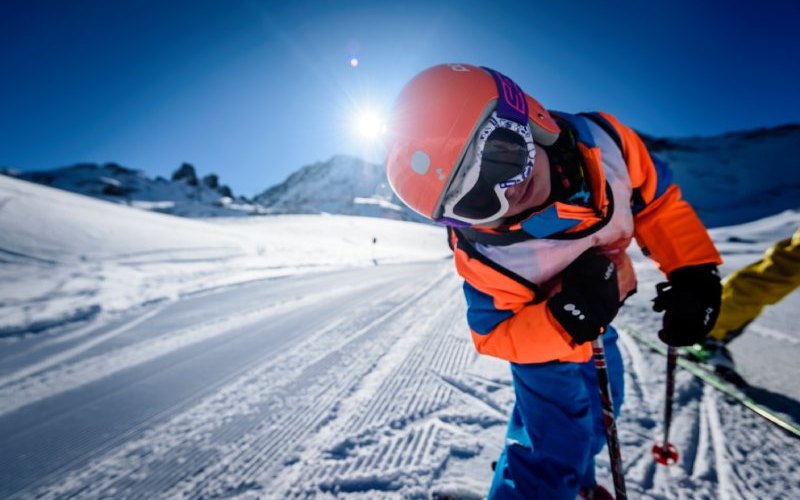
499,156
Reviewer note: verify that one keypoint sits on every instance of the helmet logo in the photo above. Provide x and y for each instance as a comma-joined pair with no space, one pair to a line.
420,162
512,94
458,67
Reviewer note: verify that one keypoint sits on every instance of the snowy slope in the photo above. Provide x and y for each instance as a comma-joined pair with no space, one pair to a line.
358,383
66,257
727,451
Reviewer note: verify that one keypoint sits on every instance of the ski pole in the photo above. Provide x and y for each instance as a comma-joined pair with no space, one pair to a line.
614,453
665,452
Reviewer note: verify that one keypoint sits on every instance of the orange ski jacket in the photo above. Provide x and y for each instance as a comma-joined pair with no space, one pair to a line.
510,272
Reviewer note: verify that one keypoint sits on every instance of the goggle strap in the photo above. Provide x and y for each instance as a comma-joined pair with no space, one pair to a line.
511,103
452,222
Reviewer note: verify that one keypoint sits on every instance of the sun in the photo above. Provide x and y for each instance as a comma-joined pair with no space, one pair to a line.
369,124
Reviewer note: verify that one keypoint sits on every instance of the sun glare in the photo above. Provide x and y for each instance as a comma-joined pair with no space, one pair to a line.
370,125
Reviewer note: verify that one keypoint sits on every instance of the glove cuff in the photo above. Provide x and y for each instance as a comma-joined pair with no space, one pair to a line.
690,274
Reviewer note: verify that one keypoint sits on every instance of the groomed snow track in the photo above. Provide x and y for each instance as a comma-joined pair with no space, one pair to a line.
358,384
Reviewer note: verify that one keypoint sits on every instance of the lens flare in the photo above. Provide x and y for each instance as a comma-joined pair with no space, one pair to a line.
354,62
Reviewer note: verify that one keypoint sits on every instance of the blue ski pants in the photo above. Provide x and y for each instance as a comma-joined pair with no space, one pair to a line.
556,427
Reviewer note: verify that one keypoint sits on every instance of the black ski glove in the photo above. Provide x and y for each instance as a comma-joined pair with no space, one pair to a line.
690,301
589,297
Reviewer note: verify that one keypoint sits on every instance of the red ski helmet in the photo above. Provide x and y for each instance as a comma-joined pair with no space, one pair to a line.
434,125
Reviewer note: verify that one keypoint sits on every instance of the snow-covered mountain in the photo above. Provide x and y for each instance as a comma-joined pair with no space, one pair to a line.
185,194
736,177
730,179
341,185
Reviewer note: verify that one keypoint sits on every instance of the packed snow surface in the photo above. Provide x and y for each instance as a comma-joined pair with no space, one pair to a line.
69,257
149,356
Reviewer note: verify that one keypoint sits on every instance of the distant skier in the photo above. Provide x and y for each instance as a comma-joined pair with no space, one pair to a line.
745,293
540,207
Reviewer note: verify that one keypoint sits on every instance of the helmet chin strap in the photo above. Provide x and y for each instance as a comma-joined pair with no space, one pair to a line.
567,172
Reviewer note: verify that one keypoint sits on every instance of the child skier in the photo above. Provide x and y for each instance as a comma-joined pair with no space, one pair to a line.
540,207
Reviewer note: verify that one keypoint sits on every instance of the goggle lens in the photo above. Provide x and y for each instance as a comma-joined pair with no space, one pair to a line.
504,162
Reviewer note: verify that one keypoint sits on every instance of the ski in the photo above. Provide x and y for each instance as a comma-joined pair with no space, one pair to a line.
708,376
702,358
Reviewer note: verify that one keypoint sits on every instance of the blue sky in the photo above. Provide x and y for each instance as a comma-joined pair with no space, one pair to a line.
253,90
